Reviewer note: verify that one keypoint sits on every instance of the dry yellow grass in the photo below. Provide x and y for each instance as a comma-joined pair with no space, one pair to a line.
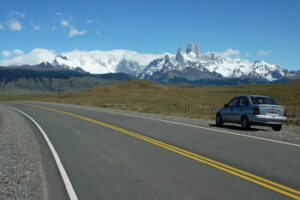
198,102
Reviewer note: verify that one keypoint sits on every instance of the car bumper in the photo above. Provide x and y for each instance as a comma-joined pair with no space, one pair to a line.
267,119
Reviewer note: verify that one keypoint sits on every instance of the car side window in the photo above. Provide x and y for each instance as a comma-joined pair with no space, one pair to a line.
243,101
233,102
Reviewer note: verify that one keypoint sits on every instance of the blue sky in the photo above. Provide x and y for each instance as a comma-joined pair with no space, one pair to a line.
267,30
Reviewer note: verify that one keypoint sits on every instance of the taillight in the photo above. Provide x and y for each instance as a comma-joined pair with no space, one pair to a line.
256,110
284,114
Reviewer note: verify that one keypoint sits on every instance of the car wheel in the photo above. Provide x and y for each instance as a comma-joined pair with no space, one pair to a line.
276,127
245,123
219,120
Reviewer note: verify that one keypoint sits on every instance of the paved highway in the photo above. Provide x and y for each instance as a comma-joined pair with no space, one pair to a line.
109,155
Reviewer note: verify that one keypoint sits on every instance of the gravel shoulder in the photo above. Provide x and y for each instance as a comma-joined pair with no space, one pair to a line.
21,174
289,133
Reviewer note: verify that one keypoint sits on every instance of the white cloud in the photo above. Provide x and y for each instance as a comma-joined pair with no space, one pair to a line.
18,52
58,14
14,25
34,57
263,52
64,23
5,53
89,21
1,27
229,53
74,32
17,13
36,28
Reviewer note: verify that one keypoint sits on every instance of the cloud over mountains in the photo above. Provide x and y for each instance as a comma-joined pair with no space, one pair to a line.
189,64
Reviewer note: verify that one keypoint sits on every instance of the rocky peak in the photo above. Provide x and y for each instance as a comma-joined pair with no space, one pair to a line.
61,56
167,58
180,55
45,65
194,48
259,62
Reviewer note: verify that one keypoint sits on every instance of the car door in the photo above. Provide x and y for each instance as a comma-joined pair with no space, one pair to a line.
240,108
228,114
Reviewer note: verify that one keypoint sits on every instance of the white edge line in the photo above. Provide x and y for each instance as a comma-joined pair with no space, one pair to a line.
63,173
179,123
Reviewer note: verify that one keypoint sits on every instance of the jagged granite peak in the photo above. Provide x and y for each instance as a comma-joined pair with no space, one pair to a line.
167,58
180,55
214,65
194,48
191,55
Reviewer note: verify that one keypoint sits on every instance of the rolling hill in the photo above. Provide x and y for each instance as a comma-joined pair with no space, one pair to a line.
44,78
198,102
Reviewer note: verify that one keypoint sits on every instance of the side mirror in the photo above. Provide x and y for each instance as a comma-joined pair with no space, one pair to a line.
226,105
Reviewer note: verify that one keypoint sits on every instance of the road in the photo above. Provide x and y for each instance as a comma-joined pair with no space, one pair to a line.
109,155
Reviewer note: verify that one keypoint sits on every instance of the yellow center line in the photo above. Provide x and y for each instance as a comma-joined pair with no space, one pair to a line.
290,192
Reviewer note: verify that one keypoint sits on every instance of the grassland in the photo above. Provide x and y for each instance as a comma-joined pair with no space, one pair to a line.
196,102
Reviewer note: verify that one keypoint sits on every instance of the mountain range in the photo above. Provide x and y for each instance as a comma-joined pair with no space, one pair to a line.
193,66
187,66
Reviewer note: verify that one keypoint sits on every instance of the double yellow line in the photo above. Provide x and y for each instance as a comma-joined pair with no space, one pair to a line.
290,192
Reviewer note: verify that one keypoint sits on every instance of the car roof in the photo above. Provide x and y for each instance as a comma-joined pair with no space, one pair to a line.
258,96
252,95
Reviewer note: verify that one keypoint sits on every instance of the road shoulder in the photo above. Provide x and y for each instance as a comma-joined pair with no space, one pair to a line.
29,170
21,174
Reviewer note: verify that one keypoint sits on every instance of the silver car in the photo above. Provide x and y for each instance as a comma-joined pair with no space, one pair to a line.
250,110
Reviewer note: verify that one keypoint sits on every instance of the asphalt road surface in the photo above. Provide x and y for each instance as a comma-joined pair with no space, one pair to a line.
109,155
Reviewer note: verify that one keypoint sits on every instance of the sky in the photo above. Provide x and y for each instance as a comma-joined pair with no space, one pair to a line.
258,30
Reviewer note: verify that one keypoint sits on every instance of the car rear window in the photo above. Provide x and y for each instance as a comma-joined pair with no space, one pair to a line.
263,100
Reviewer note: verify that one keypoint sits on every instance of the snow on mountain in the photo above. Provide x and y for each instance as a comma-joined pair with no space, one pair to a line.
100,62
34,57
188,64
269,71
216,63
96,62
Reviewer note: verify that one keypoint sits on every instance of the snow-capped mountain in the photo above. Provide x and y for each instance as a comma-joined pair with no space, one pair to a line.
190,64
95,62
210,66
100,62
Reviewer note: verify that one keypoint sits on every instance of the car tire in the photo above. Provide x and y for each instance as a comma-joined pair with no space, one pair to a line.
276,127
245,123
219,120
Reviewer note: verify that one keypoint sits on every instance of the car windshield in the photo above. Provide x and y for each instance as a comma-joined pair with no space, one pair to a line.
263,100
